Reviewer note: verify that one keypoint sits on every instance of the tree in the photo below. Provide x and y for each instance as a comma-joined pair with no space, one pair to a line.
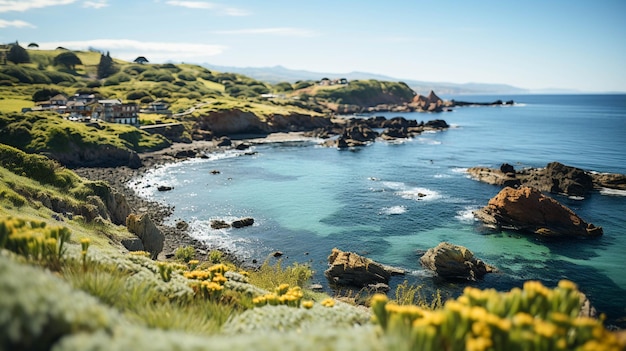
106,67
141,60
45,94
67,59
17,54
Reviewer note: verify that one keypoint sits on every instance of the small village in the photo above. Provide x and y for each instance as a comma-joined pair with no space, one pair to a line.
87,108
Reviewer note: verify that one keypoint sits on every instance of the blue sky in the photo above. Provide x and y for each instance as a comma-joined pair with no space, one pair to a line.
531,44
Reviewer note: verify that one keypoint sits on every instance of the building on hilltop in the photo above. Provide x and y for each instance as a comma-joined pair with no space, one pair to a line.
158,107
114,111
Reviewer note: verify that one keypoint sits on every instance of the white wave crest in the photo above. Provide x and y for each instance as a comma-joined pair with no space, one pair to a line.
412,193
419,194
612,192
393,210
466,215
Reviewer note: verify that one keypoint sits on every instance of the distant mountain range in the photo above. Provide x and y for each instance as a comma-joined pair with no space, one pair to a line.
281,74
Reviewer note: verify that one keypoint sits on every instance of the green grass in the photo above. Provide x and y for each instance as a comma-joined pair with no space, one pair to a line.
270,276
14,104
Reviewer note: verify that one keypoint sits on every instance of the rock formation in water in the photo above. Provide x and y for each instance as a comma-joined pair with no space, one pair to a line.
455,262
527,209
554,178
350,269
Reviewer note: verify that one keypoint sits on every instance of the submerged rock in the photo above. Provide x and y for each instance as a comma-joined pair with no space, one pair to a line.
350,269
455,262
527,209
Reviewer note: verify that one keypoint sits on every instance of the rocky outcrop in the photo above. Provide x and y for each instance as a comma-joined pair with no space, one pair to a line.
147,231
527,209
350,269
230,122
242,222
360,131
238,223
430,103
454,262
609,180
555,178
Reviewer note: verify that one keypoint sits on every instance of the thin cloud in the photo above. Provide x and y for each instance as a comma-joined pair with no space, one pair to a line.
281,31
16,24
129,49
203,5
98,4
25,5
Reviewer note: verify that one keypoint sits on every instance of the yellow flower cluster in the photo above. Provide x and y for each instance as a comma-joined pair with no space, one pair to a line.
532,318
33,239
208,283
328,302
282,295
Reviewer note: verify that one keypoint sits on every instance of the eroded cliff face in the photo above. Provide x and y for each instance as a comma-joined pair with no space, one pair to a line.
97,156
235,121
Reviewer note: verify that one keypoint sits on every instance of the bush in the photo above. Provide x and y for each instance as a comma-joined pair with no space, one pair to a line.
117,79
155,75
185,253
58,77
45,94
135,70
283,86
186,76
303,84
94,84
136,95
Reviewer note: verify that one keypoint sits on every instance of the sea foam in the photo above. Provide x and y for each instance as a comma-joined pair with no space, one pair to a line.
393,210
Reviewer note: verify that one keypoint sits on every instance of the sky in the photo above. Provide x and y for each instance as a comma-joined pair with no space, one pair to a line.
531,44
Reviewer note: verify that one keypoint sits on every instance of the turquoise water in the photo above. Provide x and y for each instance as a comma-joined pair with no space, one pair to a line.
307,199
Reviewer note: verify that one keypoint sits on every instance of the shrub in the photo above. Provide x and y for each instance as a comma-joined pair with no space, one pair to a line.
186,76
94,84
137,94
117,79
185,253
155,75
303,84
58,77
135,70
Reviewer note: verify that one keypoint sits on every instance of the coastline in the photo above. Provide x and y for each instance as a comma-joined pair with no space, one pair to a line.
175,236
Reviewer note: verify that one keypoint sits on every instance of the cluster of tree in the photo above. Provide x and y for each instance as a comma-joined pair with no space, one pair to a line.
17,54
106,66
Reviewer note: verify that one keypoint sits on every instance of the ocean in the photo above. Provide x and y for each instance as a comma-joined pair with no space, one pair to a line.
306,199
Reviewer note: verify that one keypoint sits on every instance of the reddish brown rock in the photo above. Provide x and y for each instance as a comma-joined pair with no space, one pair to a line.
527,209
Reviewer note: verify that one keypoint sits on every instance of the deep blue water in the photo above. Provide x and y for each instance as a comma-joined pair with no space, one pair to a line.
307,199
